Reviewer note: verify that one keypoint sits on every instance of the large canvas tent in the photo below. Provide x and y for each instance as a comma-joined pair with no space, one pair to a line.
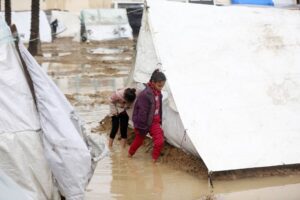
41,138
21,150
105,24
22,20
232,95
68,24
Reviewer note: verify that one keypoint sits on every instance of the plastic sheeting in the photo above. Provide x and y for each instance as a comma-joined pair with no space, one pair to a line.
65,150
10,190
146,62
14,90
23,160
21,152
106,24
68,24
236,92
22,20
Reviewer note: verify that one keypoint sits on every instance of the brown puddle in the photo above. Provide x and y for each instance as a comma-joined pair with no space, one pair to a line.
120,177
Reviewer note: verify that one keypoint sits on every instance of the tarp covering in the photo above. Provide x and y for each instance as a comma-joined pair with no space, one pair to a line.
33,141
22,20
65,150
21,151
68,24
234,78
10,190
106,24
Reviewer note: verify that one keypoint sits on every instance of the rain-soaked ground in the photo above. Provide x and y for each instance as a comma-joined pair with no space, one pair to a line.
87,74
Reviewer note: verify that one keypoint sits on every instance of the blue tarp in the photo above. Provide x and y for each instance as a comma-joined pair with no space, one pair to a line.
254,2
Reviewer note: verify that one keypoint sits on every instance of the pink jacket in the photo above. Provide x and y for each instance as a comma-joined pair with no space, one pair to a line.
117,102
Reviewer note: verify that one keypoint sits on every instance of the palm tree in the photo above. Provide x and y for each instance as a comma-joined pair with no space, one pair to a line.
34,42
7,7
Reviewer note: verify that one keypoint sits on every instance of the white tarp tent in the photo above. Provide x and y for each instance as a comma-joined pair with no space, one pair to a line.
35,140
10,189
22,20
21,150
106,24
234,77
68,24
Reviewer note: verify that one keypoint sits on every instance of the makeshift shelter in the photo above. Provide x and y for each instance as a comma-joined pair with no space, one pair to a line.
68,24
41,137
22,20
105,24
232,94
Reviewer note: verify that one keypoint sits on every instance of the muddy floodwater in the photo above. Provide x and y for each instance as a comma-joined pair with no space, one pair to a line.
87,74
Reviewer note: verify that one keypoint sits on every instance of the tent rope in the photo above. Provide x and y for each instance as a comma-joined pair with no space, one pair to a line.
183,138
17,36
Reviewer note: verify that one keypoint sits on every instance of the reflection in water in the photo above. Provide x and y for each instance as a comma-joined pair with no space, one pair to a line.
138,178
275,188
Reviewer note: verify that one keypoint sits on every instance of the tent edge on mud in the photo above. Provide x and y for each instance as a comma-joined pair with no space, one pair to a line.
227,109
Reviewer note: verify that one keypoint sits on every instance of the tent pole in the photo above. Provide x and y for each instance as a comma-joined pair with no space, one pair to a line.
15,34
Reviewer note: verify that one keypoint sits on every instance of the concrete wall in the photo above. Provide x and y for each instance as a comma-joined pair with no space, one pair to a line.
71,5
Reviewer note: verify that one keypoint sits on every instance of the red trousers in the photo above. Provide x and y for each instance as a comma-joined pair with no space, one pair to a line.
157,136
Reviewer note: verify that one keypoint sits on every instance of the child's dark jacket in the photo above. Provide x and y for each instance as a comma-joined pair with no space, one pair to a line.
144,109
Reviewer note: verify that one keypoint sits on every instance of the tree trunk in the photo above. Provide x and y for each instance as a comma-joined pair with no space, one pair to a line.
7,7
34,42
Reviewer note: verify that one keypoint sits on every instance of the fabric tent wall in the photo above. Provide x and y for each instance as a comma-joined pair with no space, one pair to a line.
106,24
22,20
146,62
68,24
21,150
239,111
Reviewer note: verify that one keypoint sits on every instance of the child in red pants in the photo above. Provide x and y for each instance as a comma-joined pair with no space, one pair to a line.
147,115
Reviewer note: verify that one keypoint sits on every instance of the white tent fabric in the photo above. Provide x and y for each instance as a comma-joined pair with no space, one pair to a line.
146,61
22,20
68,24
233,73
106,24
21,150
10,190
65,150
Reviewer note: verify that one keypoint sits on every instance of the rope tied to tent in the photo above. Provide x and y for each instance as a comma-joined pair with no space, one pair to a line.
183,138
17,36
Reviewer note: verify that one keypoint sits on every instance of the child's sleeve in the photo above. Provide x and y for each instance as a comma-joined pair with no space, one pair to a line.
112,104
143,105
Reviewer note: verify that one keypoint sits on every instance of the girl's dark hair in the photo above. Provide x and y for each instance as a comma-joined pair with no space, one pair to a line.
157,76
129,95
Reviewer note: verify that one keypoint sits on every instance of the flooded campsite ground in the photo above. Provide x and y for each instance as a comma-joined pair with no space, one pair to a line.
87,73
